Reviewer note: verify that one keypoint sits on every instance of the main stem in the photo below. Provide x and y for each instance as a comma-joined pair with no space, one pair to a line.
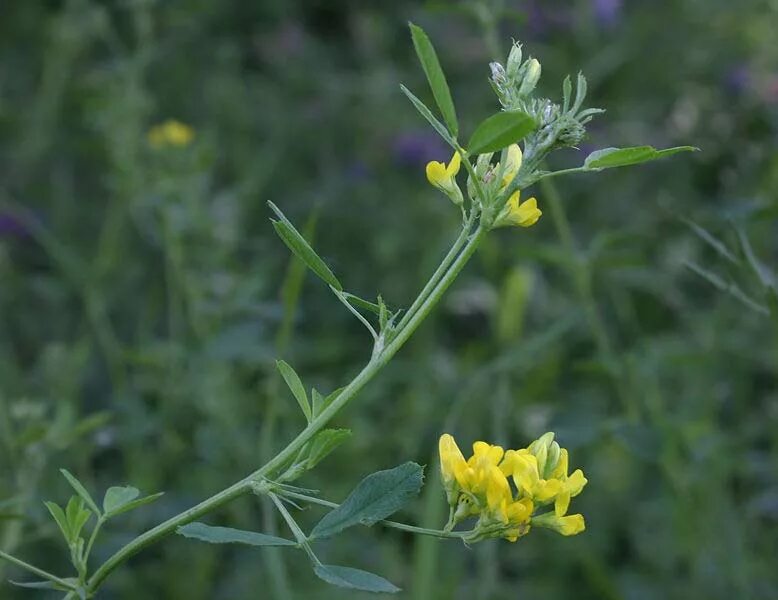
377,362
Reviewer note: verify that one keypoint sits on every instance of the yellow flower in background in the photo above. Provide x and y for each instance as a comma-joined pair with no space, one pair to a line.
516,213
170,133
480,487
443,177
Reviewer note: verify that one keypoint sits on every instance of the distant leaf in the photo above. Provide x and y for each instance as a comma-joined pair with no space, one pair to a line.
766,278
228,535
437,80
427,114
136,504
376,497
297,244
60,518
324,443
293,381
80,490
357,579
500,131
711,240
117,497
622,157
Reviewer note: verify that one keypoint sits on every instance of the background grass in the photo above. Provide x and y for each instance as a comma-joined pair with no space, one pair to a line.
144,295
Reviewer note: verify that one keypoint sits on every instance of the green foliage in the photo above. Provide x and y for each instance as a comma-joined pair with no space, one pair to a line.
141,287
323,444
302,249
296,386
622,157
499,131
437,80
119,500
228,535
377,496
348,577
427,114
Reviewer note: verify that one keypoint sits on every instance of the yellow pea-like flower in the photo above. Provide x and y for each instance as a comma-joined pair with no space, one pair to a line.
516,213
170,133
512,165
452,466
443,177
479,486
569,525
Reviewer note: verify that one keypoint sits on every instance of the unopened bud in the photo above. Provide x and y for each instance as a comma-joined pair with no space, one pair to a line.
531,76
514,61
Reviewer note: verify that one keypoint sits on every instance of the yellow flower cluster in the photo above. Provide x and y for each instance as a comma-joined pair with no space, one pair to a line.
515,212
481,487
170,133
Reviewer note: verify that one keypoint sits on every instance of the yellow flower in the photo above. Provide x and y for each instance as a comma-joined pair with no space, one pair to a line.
544,458
479,487
170,133
452,466
523,214
569,525
512,165
571,485
443,177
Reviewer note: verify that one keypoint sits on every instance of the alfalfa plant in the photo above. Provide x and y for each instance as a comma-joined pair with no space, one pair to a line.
502,494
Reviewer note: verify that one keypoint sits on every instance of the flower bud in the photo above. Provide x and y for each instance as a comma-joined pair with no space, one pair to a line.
531,76
514,61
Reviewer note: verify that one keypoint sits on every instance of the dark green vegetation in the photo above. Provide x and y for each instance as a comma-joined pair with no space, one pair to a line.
145,297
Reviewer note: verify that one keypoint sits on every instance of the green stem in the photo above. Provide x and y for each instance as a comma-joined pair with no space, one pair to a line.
92,538
433,281
376,363
299,535
35,570
393,524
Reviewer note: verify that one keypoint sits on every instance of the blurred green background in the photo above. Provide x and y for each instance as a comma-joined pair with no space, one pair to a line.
144,295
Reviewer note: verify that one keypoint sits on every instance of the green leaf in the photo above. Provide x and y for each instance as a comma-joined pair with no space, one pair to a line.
60,518
293,381
427,114
376,497
622,157
362,303
45,585
297,244
228,535
317,402
80,490
117,497
356,579
77,516
324,443
499,131
135,504
437,80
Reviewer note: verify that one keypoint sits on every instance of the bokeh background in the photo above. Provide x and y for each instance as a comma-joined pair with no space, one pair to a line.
144,295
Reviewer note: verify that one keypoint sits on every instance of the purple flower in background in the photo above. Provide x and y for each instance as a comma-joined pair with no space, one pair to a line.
607,12
542,20
417,148
357,171
738,79
12,226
